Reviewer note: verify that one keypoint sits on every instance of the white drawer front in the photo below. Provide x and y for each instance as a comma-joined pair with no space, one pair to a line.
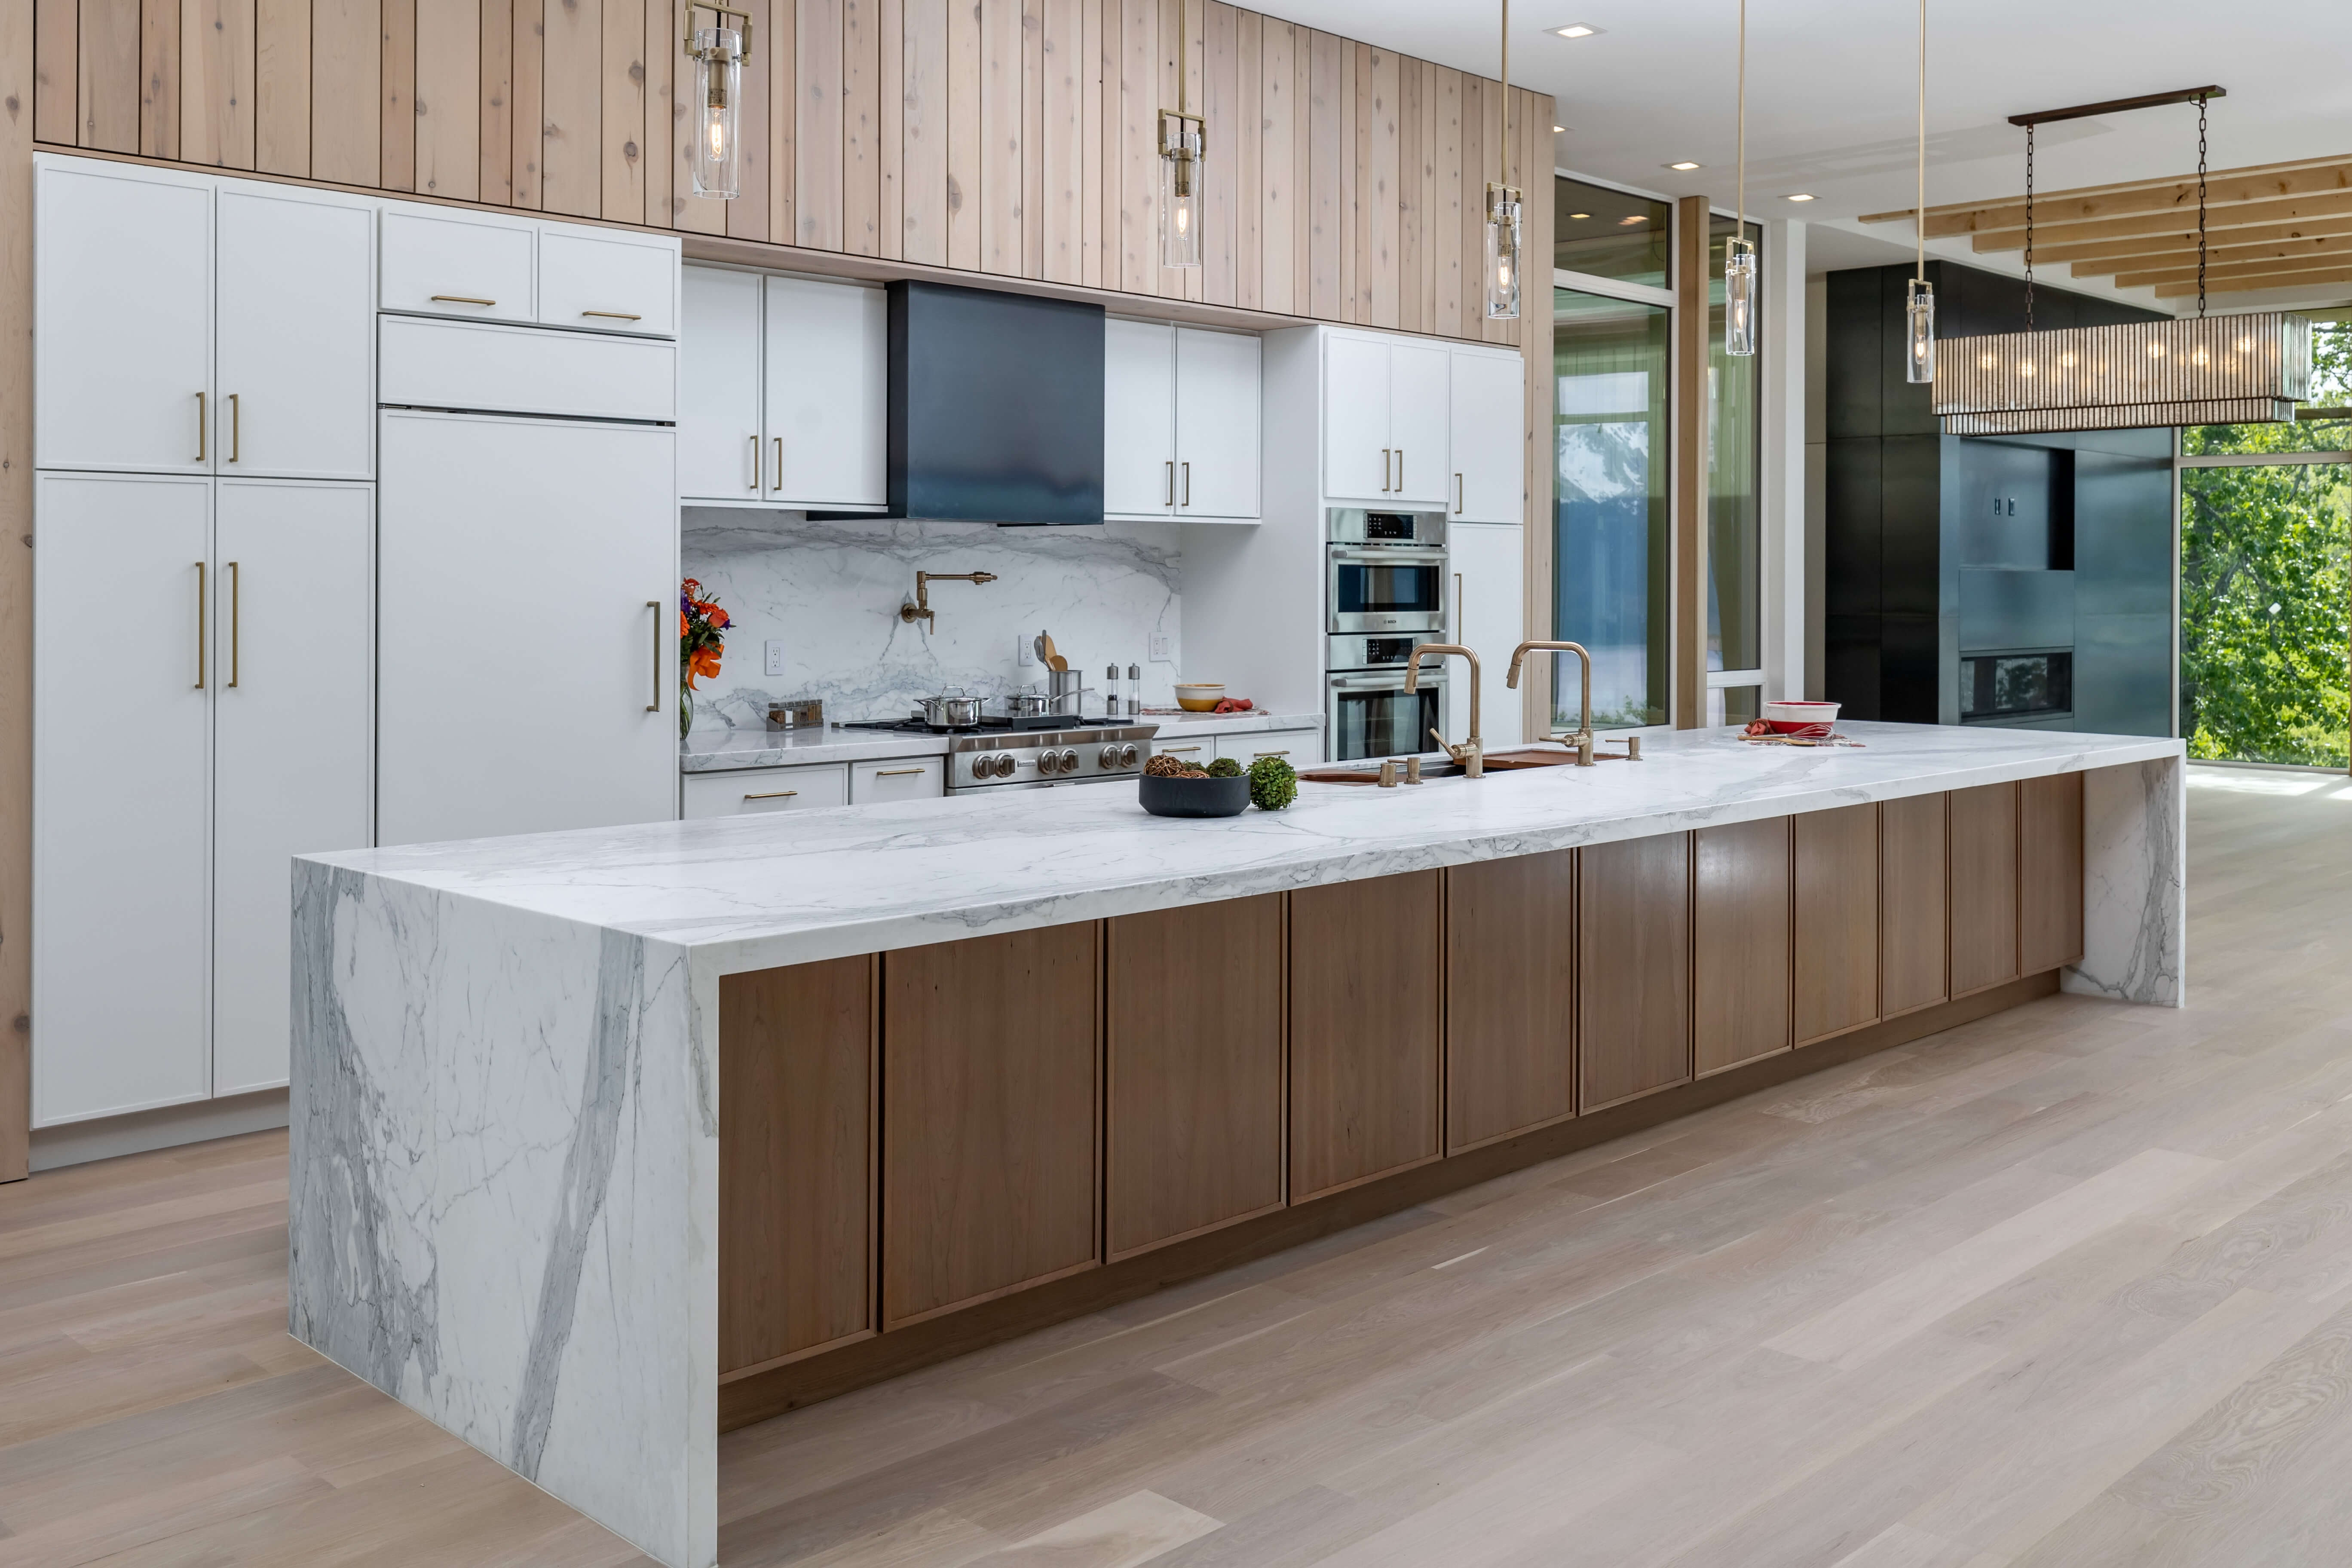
442,264
608,284
1299,748
522,369
748,790
900,778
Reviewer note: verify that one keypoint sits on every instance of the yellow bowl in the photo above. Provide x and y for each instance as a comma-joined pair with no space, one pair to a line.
1198,704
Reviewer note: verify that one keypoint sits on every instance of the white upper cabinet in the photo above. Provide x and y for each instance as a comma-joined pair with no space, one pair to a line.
123,318
1218,376
294,639
1138,419
1180,423
607,282
1418,424
444,263
1489,412
826,385
1488,563
719,453
1358,457
296,333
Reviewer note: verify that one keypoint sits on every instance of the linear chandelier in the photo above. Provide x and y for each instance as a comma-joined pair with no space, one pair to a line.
2222,370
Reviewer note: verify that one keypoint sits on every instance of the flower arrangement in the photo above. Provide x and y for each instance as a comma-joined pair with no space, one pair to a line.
701,638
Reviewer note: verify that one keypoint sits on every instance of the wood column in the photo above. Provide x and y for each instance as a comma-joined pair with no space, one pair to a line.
17,582
1688,506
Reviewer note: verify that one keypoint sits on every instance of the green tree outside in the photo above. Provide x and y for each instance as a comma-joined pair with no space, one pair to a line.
2266,586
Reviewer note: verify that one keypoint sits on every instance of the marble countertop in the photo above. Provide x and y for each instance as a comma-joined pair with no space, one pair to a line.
753,891
714,751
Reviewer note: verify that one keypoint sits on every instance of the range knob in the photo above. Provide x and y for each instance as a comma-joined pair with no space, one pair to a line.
1049,763
998,765
1069,762
1127,756
1108,758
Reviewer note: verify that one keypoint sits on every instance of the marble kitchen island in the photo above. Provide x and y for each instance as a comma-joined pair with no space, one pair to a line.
588,1150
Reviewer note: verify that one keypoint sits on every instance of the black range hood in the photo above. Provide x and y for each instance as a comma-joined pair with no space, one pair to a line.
995,407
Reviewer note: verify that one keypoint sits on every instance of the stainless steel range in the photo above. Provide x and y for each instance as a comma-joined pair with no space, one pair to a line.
1003,753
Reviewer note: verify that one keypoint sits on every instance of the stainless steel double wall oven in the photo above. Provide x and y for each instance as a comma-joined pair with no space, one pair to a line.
1384,594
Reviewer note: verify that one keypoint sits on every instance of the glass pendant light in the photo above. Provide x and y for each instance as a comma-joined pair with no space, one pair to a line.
1502,211
1919,300
1184,141
718,54
1738,256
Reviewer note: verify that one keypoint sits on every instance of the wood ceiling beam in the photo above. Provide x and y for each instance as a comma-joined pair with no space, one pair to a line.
2224,187
2175,244
2314,252
2185,288
2152,276
2217,220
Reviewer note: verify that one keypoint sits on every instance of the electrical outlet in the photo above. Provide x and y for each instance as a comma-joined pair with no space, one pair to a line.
1163,646
1025,651
772,654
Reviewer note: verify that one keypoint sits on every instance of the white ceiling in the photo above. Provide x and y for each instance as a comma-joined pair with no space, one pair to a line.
1832,92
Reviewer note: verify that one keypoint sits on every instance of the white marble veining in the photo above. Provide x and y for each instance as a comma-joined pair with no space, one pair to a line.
713,751
831,592
505,1150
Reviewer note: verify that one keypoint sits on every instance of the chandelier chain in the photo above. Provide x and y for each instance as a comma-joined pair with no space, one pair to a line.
2028,228
2200,207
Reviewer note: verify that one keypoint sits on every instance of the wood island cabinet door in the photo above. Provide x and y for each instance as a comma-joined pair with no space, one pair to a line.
1912,947
1837,921
1984,886
1632,923
1511,996
991,1085
796,1115
1740,943
1193,1052
1364,1045
2049,873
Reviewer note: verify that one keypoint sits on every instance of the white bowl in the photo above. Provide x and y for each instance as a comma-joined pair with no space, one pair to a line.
1198,696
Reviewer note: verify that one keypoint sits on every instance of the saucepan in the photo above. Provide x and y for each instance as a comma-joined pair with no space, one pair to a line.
1025,704
951,709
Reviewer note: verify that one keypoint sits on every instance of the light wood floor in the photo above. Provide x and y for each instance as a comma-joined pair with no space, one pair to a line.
2069,1286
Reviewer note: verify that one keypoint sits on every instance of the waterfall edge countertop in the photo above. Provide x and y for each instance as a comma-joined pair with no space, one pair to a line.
768,890
505,1156
718,751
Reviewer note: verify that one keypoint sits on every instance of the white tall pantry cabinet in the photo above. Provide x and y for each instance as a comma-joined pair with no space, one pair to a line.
203,539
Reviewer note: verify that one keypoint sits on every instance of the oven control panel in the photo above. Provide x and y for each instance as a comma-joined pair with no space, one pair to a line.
1037,759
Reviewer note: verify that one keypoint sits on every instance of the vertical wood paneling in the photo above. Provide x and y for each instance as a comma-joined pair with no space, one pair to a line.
1032,138
1001,162
1381,197
1137,234
20,94
397,18
1061,154
1413,194
496,119
1470,235
570,151
661,59
1249,159
159,78
1095,161
622,112
1179,85
1354,155
923,159
1278,191
57,70
216,82
890,123
861,128
1302,168
108,76
1221,102
763,210
450,82
1441,247
527,55
964,134
281,87
1326,233
346,82
819,132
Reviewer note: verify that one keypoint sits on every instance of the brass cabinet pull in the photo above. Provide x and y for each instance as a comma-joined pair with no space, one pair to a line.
655,605
1187,484
236,436
755,464
1399,484
772,795
1254,755
202,420
779,463
1457,607
1457,495
200,625
1384,470
1173,751
1172,483
235,620
614,315
900,773
464,299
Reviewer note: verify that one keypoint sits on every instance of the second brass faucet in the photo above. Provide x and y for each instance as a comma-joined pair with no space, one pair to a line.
1580,737
1471,752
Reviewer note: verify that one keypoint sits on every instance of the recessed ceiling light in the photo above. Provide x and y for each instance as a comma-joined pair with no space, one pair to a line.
1580,214
1558,130
1625,222
1577,30
1684,165
1800,196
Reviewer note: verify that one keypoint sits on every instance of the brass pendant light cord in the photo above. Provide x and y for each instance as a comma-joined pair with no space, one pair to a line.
1506,94
1920,214
1739,225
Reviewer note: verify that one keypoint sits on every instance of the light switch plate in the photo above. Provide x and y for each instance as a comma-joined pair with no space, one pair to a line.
772,654
1162,646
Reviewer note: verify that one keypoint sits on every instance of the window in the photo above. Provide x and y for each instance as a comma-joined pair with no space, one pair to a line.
1609,234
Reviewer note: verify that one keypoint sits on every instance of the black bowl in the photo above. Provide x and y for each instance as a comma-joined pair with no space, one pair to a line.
1195,798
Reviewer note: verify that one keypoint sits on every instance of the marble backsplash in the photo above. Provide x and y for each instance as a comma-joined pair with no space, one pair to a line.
830,591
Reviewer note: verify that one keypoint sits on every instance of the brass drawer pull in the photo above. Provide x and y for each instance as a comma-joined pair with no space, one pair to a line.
779,462
772,795
1172,484
655,605
1176,750
200,625
236,435
1457,495
755,464
1187,484
236,618
202,420
1254,755
1385,455
900,773
464,299
614,315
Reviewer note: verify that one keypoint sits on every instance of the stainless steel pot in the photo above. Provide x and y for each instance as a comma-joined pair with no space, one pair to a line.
951,709
1065,686
1025,704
